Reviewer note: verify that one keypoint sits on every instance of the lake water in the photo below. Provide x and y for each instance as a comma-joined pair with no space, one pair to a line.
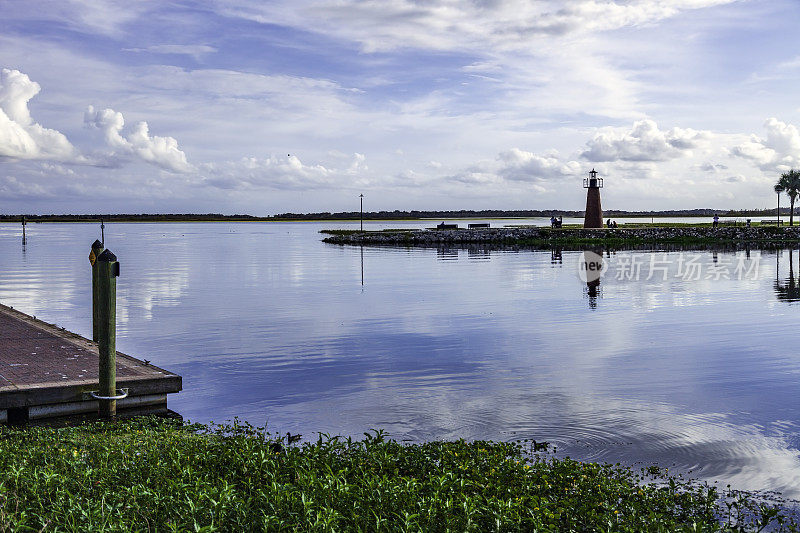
684,359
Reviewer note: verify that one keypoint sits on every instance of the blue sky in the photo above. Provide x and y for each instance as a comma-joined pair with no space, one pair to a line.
267,107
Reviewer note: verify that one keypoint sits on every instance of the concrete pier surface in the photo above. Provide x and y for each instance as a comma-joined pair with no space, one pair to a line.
46,371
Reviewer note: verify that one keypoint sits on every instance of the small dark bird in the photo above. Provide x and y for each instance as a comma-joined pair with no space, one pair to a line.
540,446
292,438
147,361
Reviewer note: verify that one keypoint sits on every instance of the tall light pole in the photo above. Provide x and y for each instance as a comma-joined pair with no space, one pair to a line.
361,196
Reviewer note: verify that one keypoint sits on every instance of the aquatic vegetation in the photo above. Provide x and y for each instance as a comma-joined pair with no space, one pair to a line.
151,474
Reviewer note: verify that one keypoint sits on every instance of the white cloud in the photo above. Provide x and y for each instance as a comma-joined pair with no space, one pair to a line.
160,151
516,166
194,50
712,167
110,122
381,25
778,151
276,172
236,84
519,165
359,164
13,187
479,174
20,136
643,142
104,17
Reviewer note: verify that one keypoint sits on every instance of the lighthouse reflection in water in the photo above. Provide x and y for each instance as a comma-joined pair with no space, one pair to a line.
591,268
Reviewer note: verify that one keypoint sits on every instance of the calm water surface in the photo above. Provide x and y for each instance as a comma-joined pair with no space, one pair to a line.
267,323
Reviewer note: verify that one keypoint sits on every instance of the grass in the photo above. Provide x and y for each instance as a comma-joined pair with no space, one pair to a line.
155,475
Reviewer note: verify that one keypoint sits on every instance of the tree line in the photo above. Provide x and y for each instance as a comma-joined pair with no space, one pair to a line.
397,214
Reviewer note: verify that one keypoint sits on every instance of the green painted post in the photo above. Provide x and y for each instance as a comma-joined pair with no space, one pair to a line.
107,272
97,249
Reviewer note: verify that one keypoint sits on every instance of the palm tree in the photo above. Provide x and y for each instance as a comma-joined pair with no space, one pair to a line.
787,291
790,184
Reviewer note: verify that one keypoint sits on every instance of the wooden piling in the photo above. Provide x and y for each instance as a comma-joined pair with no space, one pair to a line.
107,272
97,249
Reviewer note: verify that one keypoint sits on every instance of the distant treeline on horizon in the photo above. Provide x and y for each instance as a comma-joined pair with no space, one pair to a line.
383,215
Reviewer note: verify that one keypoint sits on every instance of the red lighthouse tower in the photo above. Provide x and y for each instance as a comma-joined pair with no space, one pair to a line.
594,211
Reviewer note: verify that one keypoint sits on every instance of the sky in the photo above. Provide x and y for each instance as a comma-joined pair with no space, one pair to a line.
266,107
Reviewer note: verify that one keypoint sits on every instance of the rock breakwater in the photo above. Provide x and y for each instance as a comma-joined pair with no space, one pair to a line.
545,236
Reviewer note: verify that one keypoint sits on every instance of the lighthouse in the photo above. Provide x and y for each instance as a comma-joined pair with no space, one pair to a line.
594,211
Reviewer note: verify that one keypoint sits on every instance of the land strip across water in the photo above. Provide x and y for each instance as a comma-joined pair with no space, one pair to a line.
547,237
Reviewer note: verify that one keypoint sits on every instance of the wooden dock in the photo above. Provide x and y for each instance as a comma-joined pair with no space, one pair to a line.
46,371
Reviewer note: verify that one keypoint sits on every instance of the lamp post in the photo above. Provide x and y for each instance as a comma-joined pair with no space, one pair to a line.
779,208
361,196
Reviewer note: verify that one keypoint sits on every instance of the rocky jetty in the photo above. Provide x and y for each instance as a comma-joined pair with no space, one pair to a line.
545,236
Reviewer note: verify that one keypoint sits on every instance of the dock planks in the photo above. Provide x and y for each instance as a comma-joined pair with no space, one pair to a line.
47,371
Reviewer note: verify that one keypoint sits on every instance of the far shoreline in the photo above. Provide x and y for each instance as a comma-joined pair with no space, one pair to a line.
384,216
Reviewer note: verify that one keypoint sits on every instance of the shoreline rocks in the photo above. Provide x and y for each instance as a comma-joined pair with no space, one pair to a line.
545,236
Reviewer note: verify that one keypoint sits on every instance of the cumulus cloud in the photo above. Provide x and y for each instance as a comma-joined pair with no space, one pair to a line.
643,142
477,174
20,136
359,164
280,173
778,151
160,151
517,165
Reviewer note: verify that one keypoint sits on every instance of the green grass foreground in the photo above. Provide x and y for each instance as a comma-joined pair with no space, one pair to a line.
155,475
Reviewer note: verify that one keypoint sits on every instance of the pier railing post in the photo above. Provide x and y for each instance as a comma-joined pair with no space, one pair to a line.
97,249
107,272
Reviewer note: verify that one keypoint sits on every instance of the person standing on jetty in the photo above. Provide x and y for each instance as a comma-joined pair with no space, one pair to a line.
716,220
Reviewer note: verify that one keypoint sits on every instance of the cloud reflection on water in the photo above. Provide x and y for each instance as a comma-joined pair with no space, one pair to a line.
276,326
